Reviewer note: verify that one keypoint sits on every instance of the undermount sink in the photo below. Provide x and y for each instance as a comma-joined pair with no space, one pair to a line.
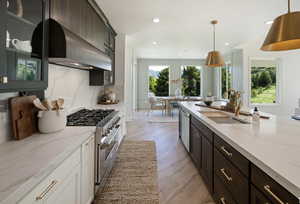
223,118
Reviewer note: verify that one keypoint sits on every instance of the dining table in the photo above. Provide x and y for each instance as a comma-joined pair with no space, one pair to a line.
168,100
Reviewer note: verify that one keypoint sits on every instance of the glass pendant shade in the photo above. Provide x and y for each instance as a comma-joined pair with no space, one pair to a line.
284,33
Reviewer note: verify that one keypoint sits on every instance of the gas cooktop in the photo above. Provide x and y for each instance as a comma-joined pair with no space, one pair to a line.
87,117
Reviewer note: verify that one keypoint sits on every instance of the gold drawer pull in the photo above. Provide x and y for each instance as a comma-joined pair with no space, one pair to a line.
225,174
44,193
226,152
223,201
268,189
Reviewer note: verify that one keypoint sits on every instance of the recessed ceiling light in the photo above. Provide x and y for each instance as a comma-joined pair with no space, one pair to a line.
154,43
155,20
269,22
227,44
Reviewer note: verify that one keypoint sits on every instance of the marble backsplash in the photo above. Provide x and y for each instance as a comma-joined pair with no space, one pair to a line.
73,86
70,84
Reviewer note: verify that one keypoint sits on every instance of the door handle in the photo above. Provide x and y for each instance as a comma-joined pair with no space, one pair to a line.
46,191
222,200
268,189
225,174
3,80
226,151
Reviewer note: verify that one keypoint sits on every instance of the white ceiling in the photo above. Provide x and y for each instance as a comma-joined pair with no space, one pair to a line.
184,30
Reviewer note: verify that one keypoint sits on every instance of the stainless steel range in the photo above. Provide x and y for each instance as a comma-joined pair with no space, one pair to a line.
107,138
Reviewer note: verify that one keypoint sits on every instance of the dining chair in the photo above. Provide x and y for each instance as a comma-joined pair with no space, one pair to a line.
156,104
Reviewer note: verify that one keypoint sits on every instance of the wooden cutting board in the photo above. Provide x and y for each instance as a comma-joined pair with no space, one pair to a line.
23,116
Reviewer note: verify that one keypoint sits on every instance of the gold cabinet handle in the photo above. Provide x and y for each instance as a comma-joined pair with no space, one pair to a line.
225,174
44,193
226,151
223,201
268,190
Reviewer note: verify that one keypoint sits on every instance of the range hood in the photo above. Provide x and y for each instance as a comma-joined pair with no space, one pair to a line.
68,49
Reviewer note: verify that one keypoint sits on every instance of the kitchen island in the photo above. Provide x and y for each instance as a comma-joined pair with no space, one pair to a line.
264,157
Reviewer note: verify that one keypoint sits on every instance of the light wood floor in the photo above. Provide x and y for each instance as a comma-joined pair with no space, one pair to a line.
179,181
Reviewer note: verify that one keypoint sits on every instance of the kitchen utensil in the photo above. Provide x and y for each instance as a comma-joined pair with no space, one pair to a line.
54,105
60,103
22,45
23,116
38,104
47,104
52,121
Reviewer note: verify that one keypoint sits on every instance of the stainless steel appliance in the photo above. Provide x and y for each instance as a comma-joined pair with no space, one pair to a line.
185,128
107,124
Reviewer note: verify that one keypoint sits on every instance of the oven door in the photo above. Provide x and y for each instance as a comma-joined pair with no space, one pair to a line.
107,154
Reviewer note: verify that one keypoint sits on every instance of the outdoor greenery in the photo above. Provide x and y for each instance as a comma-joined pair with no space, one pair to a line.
152,84
160,85
263,85
191,81
226,80
159,81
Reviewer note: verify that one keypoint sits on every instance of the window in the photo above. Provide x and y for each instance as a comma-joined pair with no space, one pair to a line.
226,80
264,81
159,80
191,80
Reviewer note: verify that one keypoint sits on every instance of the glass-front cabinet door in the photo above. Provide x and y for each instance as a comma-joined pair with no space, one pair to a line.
23,49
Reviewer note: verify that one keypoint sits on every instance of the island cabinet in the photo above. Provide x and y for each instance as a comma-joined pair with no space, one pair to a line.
201,150
195,146
270,190
231,177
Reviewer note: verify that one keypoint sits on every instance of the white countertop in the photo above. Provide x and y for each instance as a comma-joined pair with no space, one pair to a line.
25,163
273,145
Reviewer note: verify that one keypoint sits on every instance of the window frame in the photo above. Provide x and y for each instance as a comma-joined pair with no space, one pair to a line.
201,78
278,81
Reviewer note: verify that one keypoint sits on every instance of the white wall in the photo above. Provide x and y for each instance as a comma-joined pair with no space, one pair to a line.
175,69
130,84
289,81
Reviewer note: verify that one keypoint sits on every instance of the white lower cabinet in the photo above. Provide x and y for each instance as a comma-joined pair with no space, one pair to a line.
70,183
87,171
68,191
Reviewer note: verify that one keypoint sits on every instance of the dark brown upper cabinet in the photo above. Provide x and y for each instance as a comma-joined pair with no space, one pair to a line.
81,18
23,45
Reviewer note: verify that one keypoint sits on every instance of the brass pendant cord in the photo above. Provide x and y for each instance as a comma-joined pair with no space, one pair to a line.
289,6
214,30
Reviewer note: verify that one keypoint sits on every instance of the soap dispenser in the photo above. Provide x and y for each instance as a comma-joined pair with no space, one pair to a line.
256,115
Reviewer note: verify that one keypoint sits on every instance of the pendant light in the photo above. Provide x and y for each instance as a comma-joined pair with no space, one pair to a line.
284,33
214,58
